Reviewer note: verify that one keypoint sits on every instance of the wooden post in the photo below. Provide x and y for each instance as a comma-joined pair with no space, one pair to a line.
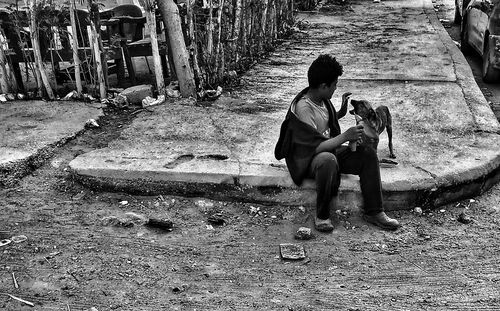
75,45
150,8
35,42
4,79
193,49
172,21
96,47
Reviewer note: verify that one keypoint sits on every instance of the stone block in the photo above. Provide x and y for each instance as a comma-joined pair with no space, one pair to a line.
136,94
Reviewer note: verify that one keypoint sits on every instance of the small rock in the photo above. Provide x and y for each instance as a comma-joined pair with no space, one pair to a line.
418,210
463,218
216,219
303,233
136,94
442,211
136,218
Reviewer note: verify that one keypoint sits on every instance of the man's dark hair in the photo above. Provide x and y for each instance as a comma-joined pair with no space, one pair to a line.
324,69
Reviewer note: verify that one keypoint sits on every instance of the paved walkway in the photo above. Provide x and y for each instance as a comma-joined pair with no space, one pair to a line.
394,53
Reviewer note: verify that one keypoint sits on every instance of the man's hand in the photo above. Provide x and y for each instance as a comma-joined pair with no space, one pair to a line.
354,133
343,107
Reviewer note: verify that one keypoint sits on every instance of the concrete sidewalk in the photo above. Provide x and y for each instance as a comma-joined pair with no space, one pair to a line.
394,53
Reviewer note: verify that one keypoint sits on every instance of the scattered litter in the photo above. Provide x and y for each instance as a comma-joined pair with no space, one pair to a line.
164,224
3,98
418,210
18,238
136,218
91,123
52,255
179,289
173,93
21,300
123,202
120,101
463,218
14,280
116,222
150,101
204,204
216,219
303,233
292,251
71,95
254,210
5,242
210,94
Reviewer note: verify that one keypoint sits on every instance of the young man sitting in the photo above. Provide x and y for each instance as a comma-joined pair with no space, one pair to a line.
311,142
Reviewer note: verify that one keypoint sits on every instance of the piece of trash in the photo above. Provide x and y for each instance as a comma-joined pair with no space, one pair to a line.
302,209
150,101
204,204
71,95
210,227
123,202
18,238
442,210
216,219
274,216
178,289
292,251
21,96
14,280
3,98
254,210
136,218
21,300
164,224
464,218
173,93
442,20
472,200
303,233
5,242
11,96
418,210
91,123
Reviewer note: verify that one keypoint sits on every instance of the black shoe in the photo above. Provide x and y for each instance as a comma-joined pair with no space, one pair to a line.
383,221
323,225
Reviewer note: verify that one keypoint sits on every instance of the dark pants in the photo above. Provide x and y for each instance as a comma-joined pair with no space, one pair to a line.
326,168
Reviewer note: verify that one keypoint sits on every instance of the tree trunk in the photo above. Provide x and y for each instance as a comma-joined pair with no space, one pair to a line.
210,31
96,47
262,36
235,37
75,45
151,24
171,18
4,79
219,61
193,49
35,42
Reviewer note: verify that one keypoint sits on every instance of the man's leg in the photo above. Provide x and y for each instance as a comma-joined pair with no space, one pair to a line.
325,170
364,162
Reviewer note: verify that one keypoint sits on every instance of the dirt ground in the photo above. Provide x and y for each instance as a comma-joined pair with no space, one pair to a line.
84,249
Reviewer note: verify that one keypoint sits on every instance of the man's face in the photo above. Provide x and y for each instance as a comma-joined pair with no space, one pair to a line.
328,90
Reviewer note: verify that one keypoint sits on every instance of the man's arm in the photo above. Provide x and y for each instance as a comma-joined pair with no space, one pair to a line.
352,134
